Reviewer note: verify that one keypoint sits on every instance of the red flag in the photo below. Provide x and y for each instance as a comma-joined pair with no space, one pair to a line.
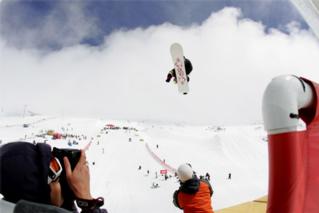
163,171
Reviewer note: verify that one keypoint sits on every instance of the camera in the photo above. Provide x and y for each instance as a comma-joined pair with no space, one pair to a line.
73,156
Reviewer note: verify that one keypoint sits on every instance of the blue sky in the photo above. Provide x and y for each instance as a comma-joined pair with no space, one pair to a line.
104,16
109,59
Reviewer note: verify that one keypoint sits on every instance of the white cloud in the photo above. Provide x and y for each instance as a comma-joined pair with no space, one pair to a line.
233,60
66,24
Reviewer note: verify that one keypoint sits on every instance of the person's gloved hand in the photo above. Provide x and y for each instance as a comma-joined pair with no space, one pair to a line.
79,178
168,79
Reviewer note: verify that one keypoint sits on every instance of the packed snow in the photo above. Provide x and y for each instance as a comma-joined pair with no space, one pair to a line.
118,148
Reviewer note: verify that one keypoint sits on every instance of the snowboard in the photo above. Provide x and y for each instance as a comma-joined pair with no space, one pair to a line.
179,65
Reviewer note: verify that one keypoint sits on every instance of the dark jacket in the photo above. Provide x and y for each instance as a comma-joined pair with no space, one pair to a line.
24,206
194,196
188,68
24,171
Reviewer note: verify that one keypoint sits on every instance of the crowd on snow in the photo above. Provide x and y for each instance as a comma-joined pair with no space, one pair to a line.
54,181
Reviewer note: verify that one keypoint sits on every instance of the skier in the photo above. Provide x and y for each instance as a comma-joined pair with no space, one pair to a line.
32,173
188,69
188,164
154,185
193,195
165,177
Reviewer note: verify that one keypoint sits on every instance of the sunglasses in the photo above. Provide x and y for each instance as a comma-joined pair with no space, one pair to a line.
55,170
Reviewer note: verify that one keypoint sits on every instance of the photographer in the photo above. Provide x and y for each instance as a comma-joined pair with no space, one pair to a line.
35,173
193,195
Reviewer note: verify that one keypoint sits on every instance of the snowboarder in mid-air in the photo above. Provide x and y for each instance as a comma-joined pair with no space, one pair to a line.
188,69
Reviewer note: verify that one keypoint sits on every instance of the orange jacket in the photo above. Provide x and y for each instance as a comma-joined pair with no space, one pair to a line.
194,196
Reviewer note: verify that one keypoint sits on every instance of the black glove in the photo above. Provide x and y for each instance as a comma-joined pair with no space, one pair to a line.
168,79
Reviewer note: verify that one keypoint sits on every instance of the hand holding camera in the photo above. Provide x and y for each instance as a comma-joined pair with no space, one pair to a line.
79,178
74,178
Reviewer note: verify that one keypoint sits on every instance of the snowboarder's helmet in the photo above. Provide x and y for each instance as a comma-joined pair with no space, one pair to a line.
184,172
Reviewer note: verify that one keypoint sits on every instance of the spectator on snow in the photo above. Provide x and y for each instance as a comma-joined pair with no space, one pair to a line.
165,177
30,172
229,176
193,195
154,185
194,173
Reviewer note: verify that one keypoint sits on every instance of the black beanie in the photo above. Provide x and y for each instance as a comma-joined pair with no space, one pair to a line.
24,172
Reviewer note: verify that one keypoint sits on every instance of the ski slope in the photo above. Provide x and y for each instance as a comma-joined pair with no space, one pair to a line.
115,155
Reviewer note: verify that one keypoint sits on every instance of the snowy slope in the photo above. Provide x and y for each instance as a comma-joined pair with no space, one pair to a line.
114,159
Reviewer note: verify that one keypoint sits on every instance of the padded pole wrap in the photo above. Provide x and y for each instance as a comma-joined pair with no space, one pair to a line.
294,163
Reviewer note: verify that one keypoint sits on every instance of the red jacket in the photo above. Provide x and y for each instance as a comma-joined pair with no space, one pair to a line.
194,196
